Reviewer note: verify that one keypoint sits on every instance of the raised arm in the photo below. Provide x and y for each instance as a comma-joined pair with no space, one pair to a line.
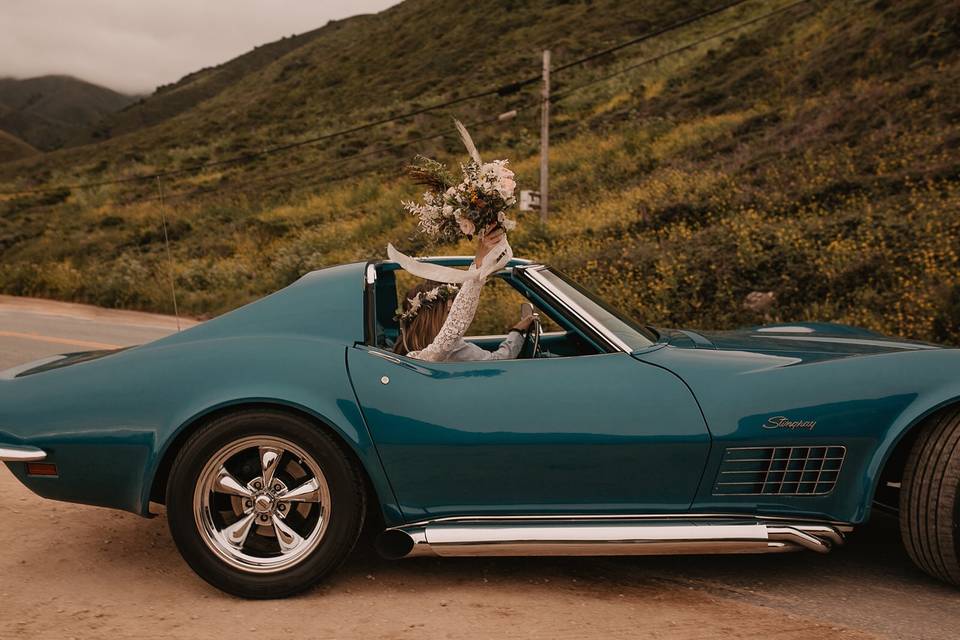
493,253
458,321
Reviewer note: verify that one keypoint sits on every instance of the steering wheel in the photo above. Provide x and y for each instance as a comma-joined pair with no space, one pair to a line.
534,331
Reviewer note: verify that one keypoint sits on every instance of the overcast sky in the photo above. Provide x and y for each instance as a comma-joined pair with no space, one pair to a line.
135,45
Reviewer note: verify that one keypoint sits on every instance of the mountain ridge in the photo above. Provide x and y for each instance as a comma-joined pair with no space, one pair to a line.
13,148
49,111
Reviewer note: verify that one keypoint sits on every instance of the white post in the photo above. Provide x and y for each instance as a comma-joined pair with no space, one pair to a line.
545,136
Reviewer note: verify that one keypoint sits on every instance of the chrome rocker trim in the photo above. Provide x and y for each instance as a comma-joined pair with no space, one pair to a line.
607,536
17,453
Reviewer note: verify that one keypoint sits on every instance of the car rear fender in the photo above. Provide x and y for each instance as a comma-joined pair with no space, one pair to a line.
317,388
110,424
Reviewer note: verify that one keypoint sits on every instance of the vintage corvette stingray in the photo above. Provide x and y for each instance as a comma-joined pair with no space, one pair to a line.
274,432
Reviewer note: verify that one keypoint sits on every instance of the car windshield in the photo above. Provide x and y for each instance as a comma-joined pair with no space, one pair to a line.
632,333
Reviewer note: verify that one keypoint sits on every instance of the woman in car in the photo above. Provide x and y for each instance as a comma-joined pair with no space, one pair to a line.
435,317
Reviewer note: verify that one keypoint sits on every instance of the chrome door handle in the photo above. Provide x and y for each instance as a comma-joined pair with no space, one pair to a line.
386,356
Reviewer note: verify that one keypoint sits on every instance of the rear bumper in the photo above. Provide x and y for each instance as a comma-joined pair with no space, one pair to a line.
18,453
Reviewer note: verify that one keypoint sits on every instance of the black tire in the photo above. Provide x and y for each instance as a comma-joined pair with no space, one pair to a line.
930,498
346,494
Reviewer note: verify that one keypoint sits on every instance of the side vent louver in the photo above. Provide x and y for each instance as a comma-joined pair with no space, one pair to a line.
779,471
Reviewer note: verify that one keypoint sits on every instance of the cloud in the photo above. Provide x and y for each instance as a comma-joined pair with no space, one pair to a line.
136,45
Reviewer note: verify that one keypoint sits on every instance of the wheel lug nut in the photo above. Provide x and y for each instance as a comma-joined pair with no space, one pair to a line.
258,485
277,487
248,504
281,507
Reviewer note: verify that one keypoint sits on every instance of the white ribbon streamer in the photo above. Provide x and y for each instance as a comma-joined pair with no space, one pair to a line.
498,257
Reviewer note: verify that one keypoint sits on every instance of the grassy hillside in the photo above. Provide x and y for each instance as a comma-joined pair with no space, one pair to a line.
13,148
814,155
171,100
49,111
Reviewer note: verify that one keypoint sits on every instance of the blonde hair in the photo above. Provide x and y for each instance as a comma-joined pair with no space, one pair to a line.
418,332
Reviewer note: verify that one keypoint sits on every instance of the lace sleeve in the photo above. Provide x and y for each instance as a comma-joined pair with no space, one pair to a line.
457,322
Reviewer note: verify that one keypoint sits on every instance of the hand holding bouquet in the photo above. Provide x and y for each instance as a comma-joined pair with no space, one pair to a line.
474,206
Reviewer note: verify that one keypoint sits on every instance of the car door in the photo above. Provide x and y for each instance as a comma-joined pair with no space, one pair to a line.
586,434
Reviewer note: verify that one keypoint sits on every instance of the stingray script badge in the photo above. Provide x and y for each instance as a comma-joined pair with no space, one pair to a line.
783,422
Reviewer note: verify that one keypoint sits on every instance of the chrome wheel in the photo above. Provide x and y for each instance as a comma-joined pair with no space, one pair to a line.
262,504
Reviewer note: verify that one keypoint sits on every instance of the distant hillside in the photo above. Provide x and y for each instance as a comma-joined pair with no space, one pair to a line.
814,154
13,148
362,67
172,99
49,111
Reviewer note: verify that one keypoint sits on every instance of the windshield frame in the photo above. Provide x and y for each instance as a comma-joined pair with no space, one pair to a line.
643,337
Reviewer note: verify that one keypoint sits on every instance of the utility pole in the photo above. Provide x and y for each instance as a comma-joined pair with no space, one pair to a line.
545,136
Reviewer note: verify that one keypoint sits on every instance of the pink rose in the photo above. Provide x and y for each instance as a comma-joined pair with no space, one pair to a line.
467,227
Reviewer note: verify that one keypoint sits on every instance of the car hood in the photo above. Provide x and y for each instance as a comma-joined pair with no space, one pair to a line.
824,340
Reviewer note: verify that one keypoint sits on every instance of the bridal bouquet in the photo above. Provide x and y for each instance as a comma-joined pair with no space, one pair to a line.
468,207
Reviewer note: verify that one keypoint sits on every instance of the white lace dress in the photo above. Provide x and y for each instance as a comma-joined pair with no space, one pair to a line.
449,344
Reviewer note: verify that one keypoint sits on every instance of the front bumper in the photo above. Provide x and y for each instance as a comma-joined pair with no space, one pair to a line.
17,453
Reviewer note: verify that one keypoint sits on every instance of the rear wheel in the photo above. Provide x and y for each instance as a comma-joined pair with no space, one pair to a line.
930,498
262,504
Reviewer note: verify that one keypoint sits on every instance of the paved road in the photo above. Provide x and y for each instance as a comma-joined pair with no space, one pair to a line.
868,588
31,329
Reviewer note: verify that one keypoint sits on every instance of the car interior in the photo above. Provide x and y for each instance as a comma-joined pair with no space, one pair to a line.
500,308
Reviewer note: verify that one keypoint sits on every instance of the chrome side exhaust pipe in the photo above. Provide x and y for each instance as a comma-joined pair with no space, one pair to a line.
458,537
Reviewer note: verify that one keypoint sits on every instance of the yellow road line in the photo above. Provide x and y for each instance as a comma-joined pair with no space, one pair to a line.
67,341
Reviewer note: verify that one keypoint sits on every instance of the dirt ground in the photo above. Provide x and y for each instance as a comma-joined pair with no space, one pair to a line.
71,571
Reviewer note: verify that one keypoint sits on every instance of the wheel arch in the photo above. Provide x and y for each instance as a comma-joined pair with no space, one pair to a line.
894,459
157,482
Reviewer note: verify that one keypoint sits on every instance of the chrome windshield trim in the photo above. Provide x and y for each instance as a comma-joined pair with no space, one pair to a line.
17,453
612,339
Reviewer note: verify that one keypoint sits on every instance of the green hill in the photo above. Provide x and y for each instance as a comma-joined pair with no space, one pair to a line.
812,154
13,148
49,111
173,99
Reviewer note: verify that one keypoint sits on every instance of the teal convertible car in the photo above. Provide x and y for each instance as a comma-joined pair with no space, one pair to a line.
274,433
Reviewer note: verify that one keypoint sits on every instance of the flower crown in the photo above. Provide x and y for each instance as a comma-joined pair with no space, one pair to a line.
440,293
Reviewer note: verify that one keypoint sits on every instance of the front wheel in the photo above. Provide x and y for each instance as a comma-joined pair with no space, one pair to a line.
930,498
263,504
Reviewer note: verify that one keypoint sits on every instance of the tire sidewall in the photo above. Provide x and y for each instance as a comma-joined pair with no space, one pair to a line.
346,499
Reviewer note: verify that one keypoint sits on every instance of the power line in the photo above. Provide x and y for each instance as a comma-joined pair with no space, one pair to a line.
166,244
256,154
203,190
330,163
502,90
563,94
647,36
647,61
